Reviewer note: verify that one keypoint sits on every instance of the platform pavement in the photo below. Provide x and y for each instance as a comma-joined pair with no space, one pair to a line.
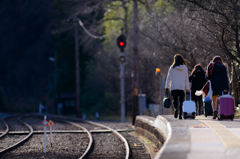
201,138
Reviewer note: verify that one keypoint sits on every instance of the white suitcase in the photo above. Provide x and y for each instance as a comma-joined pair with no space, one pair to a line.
189,108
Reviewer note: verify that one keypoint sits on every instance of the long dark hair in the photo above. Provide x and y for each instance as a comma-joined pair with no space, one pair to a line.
217,59
196,67
178,60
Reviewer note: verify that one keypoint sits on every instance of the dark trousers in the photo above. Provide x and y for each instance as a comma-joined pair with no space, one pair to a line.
199,104
178,97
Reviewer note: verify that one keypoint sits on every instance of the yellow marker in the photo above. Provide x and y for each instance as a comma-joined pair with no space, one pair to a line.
50,123
135,144
201,125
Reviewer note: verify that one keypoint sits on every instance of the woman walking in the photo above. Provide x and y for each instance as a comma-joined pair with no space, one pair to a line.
177,81
198,80
217,74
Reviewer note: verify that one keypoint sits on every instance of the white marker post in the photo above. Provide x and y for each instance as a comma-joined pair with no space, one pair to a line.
45,122
50,123
51,135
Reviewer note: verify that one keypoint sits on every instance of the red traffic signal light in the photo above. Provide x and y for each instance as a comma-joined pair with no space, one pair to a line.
121,42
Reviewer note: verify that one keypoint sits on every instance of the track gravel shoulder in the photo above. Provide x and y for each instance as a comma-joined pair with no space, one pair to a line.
65,146
2,126
107,145
137,148
117,125
73,145
15,125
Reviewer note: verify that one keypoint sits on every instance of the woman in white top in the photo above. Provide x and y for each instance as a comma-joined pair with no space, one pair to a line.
177,81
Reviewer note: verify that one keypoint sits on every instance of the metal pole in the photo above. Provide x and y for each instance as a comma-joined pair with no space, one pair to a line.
162,92
45,134
122,93
55,75
77,62
140,102
135,65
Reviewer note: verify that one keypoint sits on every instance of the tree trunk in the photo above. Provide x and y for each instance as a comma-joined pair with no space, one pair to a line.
135,66
235,86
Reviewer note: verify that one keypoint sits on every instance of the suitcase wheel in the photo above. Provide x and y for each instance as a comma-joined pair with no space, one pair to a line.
185,115
232,117
221,117
185,118
194,114
205,115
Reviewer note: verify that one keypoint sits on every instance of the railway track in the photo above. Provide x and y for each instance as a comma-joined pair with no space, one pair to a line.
73,139
119,147
6,130
9,141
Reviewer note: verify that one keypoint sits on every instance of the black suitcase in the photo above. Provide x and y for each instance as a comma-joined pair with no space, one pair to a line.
208,108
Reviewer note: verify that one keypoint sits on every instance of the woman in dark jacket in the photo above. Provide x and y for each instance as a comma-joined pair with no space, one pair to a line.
217,74
198,80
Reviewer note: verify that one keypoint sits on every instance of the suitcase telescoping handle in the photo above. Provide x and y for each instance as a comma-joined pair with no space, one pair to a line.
190,95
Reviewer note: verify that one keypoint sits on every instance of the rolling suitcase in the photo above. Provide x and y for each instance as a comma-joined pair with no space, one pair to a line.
207,106
226,107
189,108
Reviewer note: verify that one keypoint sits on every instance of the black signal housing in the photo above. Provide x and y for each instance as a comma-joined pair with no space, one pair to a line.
121,42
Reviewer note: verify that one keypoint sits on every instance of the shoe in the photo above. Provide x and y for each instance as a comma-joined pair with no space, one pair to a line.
176,113
214,114
180,117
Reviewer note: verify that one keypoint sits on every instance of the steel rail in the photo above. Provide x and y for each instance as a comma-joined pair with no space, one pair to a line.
89,135
66,131
7,129
115,132
30,133
97,124
90,138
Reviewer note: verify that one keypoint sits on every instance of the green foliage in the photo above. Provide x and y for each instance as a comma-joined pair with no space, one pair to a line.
115,16
113,21
236,112
112,17
162,5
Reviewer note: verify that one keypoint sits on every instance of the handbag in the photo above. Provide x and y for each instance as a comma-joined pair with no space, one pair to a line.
166,101
210,90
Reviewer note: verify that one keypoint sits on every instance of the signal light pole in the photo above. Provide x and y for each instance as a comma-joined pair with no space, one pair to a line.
121,43
158,73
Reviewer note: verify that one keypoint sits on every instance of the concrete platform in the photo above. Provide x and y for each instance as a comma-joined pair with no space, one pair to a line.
200,138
